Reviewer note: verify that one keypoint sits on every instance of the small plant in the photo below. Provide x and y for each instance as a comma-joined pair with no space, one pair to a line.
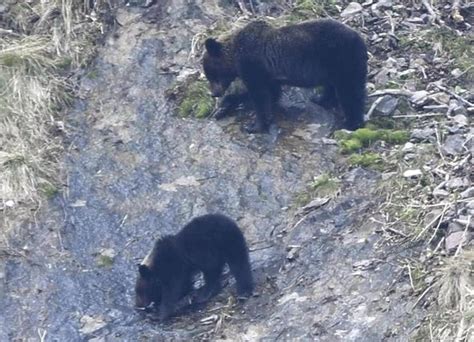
49,190
105,261
196,101
325,185
368,159
366,136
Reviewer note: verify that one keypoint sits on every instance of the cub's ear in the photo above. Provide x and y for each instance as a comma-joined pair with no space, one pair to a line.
145,271
213,47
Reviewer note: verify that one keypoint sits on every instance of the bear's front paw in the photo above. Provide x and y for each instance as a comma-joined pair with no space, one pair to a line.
220,113
255,128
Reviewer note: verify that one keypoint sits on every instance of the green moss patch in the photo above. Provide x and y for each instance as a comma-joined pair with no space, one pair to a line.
368,159
350,145
351,142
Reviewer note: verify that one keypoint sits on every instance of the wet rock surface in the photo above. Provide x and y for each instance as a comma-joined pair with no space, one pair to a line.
136,171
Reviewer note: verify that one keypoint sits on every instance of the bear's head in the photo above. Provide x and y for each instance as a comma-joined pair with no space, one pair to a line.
219,67
147,287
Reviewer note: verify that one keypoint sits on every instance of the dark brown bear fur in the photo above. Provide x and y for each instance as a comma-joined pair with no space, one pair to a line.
314,53
204,245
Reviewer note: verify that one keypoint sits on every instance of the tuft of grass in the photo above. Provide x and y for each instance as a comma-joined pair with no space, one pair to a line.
48,41
395,137
454,320
196,101
368,159
325,185
322,186
350,145
366,136
105,261
49,190
309,9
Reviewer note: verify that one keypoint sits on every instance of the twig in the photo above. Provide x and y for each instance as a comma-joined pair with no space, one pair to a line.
463,236
438,204
393,230
372,108
300,220
438,144
260,248
242,7
428,226
8,32
431,331
438,246
441,106
418,115
422,295
42,334
392,25
450,92
411,279
465,71
437,227
431,11
460,334
389,91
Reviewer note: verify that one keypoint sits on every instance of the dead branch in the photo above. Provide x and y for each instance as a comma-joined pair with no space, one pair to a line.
372,108
452,93
399,92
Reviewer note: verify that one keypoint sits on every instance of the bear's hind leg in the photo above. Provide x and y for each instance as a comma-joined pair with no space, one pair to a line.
242,273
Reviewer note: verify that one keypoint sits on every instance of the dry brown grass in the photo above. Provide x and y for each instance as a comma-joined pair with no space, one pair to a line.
456,299
41,43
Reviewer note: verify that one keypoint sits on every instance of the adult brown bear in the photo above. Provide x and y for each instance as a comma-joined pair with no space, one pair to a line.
313,53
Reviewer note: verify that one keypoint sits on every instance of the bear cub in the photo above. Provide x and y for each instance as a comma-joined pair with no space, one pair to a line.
314,53
204,245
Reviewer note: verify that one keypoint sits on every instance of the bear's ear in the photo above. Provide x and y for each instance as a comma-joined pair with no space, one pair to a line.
213,47
144,271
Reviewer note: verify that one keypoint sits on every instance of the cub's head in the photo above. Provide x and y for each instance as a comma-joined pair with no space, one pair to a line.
147,287
219,67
